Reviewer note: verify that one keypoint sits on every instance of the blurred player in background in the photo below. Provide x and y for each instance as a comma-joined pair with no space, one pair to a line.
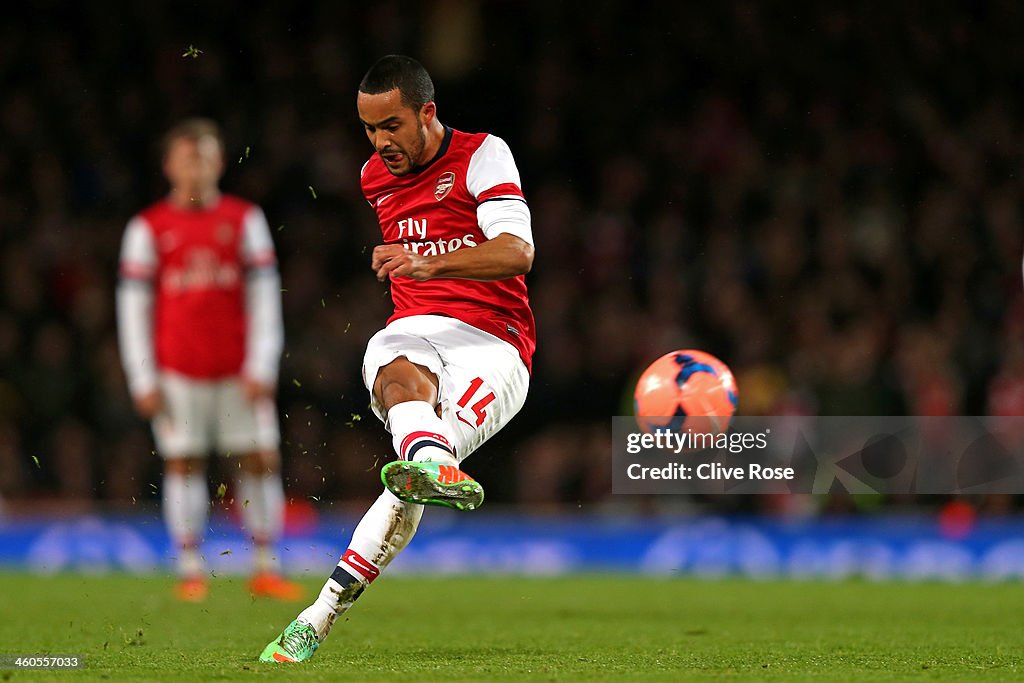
200,328
452,366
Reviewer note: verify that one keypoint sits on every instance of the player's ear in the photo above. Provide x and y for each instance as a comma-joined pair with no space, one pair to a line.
428,112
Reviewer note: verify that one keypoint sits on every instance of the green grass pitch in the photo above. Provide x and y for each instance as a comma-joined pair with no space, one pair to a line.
598,628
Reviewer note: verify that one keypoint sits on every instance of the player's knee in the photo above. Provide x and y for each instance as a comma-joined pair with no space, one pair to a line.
260,462
393,393
269,461
185,466
401,380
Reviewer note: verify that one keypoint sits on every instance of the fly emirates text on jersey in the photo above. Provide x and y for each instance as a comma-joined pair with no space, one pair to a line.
412,228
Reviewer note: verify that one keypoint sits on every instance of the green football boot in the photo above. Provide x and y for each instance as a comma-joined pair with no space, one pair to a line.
296,644
432,483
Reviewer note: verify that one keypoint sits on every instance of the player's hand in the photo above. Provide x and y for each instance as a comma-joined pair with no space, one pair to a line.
149,405
397,261
254,390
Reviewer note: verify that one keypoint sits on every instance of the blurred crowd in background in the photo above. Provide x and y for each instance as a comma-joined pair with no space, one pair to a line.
826,197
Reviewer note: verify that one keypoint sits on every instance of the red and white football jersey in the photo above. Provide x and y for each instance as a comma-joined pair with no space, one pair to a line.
196,262
434,210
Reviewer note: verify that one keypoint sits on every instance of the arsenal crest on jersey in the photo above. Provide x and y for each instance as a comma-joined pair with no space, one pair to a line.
445,183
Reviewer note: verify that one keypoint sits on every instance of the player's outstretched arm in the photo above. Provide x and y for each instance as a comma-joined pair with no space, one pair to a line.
503,257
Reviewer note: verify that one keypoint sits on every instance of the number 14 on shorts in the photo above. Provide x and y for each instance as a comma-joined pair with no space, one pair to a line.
475,414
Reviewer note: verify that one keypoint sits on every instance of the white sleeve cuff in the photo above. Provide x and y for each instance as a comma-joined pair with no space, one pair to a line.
511,216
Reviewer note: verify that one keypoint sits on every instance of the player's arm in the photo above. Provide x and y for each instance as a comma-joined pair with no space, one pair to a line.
503,257
264,319
135,317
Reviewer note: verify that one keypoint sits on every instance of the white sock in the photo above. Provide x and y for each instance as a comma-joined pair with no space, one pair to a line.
186,502
382,533
385,530
419,434
190,562
261,498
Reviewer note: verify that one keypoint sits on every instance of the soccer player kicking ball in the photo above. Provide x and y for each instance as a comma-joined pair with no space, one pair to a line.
452,366
199,320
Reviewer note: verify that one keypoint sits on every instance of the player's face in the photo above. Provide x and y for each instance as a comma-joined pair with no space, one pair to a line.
194,166
396,131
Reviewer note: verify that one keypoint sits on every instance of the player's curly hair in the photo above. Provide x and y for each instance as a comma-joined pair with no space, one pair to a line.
406,74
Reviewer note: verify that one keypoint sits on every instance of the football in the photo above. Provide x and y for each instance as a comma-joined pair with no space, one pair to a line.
686,390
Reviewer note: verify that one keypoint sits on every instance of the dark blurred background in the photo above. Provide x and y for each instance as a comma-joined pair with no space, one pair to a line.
825,197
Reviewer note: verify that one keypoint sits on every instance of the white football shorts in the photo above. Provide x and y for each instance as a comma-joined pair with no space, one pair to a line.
482,381
201,416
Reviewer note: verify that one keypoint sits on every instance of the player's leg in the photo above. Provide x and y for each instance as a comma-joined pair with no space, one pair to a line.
427,471
182,442
482,385
186,501
419,396
383,532
440,400
249,431
389,524
403,369
261,497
